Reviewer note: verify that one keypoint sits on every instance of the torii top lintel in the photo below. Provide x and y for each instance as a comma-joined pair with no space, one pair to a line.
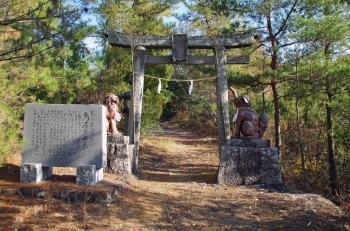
200,42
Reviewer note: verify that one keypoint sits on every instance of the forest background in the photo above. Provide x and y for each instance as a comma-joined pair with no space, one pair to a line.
298,74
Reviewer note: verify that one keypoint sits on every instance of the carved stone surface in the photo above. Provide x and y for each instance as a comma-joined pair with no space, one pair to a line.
270,174
57,135
88,175
34,173
249,165
119,154
228,170
180,49
153,41
258,143
111,102
31,173
248,123
117,139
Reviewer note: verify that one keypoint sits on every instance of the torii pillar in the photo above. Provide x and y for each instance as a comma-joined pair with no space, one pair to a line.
180,45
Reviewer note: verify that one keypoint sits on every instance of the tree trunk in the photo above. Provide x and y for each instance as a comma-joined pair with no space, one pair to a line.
331,147
301,146
276,102
332,171
300,140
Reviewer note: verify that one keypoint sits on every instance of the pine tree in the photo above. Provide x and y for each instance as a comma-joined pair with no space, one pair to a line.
324,27
41,56
136,18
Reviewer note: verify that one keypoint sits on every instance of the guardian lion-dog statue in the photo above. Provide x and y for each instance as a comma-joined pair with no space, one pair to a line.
111,101
247,122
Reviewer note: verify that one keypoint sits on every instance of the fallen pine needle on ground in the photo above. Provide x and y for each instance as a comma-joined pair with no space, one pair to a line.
176,190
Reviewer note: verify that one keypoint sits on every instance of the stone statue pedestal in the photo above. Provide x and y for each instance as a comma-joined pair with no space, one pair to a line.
248,162
119,154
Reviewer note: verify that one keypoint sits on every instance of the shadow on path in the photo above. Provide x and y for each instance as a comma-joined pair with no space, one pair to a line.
175,155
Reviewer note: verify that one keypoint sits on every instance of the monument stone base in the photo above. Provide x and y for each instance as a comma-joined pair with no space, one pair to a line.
248,162
34,173
88,175
119,154
64,135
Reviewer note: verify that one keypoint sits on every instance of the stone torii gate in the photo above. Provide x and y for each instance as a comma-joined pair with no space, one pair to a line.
180,44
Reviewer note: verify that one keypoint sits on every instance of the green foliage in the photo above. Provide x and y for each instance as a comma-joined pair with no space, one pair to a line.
9,140
179,98
303,52
153,104
10,117
42,60
202,110
142,17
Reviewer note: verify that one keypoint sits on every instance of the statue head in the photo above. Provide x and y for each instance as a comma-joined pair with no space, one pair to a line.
241,100
111,99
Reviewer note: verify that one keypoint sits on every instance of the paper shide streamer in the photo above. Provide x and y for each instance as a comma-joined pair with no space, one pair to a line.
159,85
191,88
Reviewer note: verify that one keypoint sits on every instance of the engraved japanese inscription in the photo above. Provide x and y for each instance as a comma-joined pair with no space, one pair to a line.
64,135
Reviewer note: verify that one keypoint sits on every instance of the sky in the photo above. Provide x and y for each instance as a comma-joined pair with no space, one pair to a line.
91,41
179,8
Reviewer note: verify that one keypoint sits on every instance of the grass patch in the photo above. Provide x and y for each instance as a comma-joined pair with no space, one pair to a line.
161,142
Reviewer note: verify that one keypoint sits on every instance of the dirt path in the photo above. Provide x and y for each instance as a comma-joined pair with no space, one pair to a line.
176,190
175,155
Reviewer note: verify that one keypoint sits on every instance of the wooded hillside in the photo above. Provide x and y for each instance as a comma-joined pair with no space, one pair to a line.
298,73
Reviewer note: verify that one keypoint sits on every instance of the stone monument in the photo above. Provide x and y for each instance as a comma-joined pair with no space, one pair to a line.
119,154
119,149
249,161
58,135
246,158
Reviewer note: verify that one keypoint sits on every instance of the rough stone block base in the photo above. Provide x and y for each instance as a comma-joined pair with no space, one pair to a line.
119,154
242,165
34,173
117,139
256,143
88,175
